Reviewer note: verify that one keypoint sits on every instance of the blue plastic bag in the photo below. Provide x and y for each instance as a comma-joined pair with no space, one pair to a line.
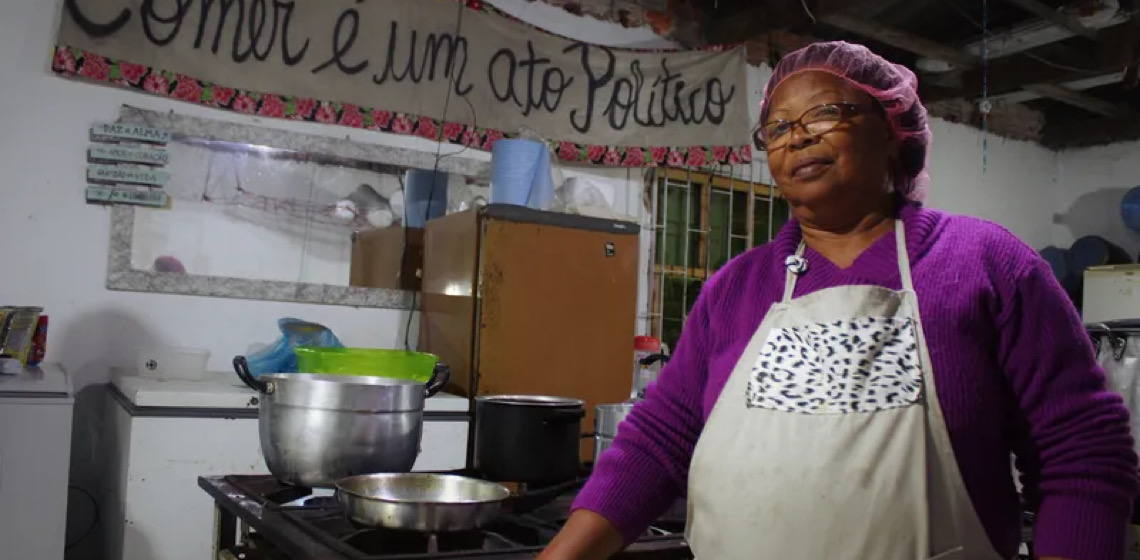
279,357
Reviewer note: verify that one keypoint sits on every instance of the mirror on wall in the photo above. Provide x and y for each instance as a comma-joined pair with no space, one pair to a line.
259,213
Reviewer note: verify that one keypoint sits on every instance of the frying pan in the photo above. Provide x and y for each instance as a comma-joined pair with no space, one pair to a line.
433,503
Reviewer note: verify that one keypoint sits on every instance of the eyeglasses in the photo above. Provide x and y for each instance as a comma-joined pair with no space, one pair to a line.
814,121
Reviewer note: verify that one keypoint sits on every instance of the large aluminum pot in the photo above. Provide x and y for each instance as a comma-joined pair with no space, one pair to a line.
606,420
317,429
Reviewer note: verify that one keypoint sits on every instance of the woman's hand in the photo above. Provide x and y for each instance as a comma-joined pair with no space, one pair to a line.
585,536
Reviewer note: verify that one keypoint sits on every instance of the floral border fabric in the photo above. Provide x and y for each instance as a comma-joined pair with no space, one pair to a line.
76,63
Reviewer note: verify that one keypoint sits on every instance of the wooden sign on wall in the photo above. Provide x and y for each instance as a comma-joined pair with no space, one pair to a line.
123,165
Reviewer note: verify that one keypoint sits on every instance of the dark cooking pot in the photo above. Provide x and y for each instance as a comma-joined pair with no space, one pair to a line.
528,438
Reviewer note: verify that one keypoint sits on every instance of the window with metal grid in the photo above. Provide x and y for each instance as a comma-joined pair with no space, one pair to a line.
702,218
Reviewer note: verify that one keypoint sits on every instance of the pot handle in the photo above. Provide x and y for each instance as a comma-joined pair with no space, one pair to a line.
241,366
564,416
654,358
439,377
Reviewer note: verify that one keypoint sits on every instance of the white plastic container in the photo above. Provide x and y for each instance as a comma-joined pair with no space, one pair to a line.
164,362
643,347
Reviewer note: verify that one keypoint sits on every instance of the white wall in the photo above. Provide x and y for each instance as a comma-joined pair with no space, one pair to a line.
1014,189
54,245
1090,185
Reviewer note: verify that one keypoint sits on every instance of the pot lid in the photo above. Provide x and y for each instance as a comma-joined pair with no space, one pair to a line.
532,400
615,407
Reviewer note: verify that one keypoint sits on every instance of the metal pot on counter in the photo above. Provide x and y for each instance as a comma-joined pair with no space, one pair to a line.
317,429
606,420
608,416
528,438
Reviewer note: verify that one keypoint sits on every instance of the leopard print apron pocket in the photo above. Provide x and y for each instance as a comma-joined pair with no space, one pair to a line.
864,364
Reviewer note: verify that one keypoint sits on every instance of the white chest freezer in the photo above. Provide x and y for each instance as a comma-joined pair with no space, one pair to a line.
35,451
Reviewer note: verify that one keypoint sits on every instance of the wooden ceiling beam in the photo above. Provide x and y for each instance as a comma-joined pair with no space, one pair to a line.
1081,100
1113,52
741,20
889,5
865,7
1010,75
899,39
1094,132
1055,17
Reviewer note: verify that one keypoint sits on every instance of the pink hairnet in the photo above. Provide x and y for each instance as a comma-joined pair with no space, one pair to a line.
894,86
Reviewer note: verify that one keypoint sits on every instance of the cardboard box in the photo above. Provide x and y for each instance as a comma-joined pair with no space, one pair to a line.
379,258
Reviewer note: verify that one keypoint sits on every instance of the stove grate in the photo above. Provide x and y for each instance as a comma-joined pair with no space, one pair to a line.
355,542
267,490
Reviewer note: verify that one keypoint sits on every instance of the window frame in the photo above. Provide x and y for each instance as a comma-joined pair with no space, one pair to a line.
697,267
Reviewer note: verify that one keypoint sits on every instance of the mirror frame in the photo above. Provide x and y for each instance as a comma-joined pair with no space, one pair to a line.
122,277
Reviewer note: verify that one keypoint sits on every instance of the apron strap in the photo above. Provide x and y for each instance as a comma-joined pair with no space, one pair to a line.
904,258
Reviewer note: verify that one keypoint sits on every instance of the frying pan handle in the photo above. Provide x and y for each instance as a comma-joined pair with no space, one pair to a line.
530,501
241,366
439,377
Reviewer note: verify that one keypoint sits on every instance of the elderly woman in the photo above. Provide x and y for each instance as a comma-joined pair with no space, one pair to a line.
854,389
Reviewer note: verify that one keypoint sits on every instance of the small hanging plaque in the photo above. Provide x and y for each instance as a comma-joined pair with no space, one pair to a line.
102,194
129,132
111,153
130,175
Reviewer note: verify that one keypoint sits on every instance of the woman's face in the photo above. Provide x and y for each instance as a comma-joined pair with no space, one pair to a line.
841,170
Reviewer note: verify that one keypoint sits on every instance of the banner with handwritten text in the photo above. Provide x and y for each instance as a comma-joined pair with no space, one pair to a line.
457,71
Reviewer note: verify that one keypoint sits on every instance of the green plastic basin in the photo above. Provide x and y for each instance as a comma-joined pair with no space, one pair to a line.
397,364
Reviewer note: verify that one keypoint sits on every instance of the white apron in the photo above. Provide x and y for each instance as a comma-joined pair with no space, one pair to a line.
828,441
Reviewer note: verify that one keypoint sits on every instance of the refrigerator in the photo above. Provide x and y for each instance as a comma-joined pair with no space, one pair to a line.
527,302
35,453
1110,293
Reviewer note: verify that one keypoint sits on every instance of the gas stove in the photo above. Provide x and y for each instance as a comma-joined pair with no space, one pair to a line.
279,521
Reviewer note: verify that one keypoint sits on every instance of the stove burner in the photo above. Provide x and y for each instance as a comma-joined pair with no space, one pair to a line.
318,518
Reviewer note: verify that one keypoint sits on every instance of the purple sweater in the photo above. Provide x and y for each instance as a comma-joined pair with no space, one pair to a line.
1014,371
